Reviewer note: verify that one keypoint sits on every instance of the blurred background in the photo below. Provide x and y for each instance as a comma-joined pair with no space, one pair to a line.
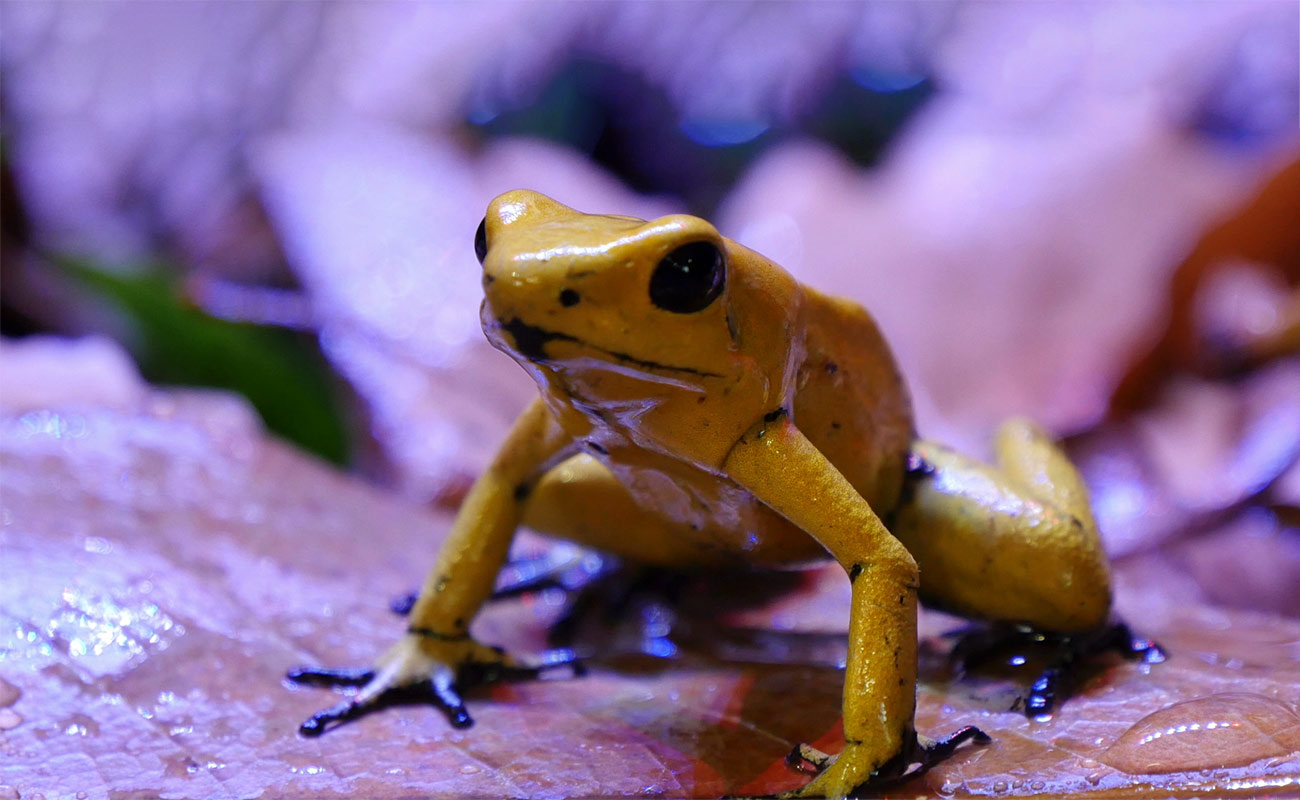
1076,211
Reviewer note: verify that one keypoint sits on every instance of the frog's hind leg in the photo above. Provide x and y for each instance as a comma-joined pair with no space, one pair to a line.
1015,544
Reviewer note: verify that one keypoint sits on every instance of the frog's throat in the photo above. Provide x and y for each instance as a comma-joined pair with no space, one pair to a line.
530,342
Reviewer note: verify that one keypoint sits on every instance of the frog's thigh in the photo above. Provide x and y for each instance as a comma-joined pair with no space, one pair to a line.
1015,542
581,501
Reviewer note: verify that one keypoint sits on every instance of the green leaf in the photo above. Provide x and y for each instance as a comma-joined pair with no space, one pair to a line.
280,372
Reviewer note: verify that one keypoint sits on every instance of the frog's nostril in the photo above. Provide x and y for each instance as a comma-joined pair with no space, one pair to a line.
568,297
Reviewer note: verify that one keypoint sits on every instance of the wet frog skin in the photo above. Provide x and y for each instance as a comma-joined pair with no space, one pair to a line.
699,406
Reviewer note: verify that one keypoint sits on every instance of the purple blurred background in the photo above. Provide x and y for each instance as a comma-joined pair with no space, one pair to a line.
1007,186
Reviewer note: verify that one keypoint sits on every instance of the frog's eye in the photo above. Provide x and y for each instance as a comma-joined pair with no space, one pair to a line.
480,241
688,279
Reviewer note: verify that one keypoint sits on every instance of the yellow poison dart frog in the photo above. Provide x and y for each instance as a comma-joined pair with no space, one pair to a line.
699,406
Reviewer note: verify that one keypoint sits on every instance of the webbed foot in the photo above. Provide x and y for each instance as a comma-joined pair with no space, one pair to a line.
918,754
1067,662
410,675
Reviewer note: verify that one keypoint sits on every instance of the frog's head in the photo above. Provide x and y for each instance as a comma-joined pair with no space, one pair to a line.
577,292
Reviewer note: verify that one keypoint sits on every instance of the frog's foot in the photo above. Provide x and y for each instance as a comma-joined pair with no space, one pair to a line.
413,673
602,595
838,776
1070,654
564,568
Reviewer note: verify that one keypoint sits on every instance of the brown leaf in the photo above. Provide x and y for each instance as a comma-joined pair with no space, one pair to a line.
173,562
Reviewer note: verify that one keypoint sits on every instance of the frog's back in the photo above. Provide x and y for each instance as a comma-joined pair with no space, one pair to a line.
851,400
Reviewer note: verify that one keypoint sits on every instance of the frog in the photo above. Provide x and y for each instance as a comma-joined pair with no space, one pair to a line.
699,407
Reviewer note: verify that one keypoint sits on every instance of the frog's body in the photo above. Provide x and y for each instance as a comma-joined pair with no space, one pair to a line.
849,401
698,405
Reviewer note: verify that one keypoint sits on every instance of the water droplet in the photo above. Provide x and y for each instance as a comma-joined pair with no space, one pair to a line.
951,786
80,725
1000,786
8,793
1093,778
1222,730
469,769
9,693
180,766
9,719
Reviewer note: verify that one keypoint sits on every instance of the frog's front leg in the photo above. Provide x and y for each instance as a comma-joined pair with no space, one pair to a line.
782,468
437,649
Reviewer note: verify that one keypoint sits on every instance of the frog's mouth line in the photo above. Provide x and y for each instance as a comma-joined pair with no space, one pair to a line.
531,340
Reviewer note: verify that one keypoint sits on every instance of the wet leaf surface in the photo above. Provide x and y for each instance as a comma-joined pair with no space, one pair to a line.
174,562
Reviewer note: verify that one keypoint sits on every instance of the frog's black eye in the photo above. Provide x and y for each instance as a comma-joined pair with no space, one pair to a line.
688,279
480,241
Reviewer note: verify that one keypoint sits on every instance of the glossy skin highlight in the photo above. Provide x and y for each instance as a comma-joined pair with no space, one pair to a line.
770,426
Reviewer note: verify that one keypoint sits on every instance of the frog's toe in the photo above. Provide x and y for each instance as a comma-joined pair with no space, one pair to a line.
843,775
806,758
1068,656
331,676
565,568
1062,673
927,752
435,691
482,673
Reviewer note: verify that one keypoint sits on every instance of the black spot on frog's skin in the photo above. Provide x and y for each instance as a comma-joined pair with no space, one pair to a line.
854,572
773,416
831,368
530,340
568,298
522,491
835,426
598,448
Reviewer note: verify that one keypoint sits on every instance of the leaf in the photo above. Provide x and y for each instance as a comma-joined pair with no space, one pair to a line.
174,562
276,370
